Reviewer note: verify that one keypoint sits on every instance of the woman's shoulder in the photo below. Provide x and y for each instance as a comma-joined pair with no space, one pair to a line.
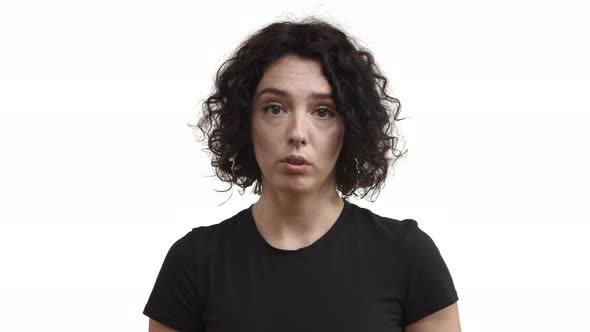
404,232
215,224
387,224
207,235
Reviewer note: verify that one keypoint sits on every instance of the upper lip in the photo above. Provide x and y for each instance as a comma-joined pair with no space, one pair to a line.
296,159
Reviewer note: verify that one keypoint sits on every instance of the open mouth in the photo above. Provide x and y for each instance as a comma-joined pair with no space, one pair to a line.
296,167
294,162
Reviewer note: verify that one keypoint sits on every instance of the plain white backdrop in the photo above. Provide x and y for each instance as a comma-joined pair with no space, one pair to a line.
100,172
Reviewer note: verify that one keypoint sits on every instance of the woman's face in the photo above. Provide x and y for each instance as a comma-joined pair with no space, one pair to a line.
293,113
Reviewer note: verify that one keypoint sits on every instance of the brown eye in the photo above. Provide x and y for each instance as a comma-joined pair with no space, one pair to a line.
324,112
272,108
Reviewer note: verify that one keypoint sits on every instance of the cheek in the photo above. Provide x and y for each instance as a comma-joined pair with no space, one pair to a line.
264,144
337,138
332,144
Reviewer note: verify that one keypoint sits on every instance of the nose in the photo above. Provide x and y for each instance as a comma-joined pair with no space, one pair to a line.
297,129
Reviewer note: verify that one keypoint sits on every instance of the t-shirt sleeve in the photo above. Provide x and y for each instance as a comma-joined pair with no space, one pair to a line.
174,300
429,285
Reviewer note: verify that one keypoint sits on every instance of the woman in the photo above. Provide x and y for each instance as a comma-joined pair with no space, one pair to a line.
302,113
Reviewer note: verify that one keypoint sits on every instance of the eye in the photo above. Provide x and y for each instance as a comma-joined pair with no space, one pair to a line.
271,108
325,112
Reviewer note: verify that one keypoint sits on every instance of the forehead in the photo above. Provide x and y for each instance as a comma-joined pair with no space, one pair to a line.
293,72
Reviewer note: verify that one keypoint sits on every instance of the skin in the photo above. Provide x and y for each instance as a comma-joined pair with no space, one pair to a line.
444,320
294,210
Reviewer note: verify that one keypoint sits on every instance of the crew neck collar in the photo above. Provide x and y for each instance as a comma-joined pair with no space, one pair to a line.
286,254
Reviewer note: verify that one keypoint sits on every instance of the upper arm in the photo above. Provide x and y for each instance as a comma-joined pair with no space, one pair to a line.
174,301
444,320
430,295
155,326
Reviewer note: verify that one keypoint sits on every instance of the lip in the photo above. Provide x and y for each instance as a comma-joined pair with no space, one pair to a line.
295,169
295,158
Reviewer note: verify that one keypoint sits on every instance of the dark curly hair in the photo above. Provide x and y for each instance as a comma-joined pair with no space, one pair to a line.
358,89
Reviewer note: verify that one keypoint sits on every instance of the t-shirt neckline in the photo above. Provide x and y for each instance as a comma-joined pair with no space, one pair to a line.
286,254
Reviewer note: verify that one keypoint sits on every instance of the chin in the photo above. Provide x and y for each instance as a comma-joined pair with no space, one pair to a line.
297,184
291,186
294,187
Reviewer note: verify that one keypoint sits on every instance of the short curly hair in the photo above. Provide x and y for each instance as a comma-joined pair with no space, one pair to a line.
358,89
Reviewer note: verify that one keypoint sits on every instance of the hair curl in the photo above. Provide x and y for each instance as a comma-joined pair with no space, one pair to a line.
358,89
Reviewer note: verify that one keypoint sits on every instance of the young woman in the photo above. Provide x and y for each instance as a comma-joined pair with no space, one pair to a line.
302,114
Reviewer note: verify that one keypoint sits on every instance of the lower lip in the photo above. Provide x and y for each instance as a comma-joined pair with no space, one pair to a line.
295,169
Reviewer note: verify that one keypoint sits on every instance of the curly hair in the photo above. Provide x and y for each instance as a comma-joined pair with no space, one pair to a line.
358,89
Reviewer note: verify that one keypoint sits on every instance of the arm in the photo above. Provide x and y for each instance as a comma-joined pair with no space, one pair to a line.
155,326
444,320
173,304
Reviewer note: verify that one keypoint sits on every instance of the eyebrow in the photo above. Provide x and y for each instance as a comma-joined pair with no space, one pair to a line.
313,95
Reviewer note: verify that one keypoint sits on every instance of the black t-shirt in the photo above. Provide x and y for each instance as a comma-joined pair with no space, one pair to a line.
367,273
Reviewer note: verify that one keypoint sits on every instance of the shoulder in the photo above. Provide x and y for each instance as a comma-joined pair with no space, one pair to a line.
415,243
394,229
201,240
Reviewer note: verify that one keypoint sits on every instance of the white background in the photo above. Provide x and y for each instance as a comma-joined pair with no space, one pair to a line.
100,172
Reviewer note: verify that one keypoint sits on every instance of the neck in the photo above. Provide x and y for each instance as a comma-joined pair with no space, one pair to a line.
290,220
